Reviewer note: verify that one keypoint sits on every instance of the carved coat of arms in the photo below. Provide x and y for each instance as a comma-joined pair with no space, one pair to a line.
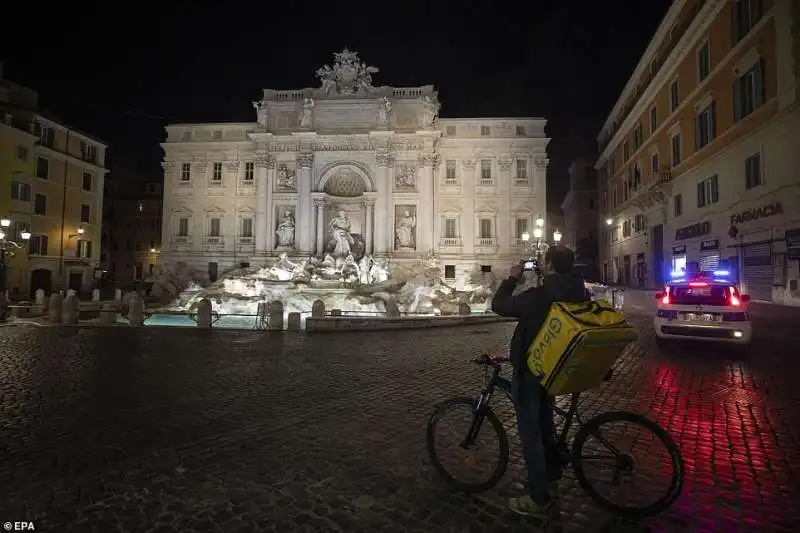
347,76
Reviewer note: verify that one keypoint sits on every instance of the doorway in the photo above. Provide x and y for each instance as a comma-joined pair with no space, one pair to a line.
213,271
41,278
76,281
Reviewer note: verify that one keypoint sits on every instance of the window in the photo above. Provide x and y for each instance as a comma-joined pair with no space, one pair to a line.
521,227
214,227
748,91
677,152
37,245
654,163
88,178
637,137
626,228
216,174
674,96
20,191
752,171
653,120
591,203
86,213
91,154
708,192
711,295
183,227
705,126
247,227
745,15
216,134
137,246
249,171
42,168
138,271
22,153
85,249
703,62
520,131
485,131
626,151
486,171
639,223
485,228
450,229
450,171
449,272
451,130
637,176
40,204
47,137
186,171
522,171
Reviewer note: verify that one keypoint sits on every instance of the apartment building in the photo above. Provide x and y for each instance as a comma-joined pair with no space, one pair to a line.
698,159
132,208
54,192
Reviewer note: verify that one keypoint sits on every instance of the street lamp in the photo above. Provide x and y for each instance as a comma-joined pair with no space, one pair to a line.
556,236
609,221
7,248
78,233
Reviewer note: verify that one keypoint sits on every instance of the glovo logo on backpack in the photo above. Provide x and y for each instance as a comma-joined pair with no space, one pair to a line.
577,345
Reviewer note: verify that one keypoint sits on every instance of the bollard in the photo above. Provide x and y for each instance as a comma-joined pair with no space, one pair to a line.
71,309
135,310
117,295
464,309
318,309
40,297
204,313
392,310
293,322
276,315
96,295
54,307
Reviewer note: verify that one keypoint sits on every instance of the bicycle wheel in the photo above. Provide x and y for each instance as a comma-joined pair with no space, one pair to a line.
449,424
621,462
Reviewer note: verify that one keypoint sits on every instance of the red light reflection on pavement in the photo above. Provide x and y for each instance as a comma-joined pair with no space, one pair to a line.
735,470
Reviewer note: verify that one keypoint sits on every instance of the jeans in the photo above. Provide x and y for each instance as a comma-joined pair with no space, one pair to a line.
537,431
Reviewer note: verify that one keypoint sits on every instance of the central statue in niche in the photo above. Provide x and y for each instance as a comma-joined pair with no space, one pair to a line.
341,242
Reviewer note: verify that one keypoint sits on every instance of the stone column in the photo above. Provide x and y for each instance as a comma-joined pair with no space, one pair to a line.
382,243
427,222
369,206
265,167
468,231
304,215
319,204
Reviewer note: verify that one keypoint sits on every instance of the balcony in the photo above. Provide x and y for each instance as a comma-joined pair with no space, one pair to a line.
246,244
181,242
485,245
655,192
450,242
246,187
212,241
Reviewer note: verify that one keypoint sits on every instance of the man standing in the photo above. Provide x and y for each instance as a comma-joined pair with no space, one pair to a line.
534,409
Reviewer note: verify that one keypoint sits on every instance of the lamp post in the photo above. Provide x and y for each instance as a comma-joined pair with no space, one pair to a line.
7,249
609,223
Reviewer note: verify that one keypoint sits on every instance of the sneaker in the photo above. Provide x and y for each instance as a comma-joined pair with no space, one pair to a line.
525,506
521,488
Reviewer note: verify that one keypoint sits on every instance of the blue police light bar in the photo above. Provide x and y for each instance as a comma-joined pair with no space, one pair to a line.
675,274
722,273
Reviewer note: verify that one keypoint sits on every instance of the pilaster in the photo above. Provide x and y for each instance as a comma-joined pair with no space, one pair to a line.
383,228
265,170
305,161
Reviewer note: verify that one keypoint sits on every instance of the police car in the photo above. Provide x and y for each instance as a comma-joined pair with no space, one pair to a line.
705,306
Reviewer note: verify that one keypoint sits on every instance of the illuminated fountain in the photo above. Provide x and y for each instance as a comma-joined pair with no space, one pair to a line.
343,278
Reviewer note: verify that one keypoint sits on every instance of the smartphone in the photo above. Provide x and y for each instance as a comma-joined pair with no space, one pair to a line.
529,266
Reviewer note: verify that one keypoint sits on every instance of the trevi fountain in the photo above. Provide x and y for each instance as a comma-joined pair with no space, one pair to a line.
343,278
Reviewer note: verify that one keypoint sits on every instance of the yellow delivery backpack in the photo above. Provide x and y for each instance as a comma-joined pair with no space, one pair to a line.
577,345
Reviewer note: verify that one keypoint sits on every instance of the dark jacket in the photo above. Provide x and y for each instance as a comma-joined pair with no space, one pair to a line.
531,308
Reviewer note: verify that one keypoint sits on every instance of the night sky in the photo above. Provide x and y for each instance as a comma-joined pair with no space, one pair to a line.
121,75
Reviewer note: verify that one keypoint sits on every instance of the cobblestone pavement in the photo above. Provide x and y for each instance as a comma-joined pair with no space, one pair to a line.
163,430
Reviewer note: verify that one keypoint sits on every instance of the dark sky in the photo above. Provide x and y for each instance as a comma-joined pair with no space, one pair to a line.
121,74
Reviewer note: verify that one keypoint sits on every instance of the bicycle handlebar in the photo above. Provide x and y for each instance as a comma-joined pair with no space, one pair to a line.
488,360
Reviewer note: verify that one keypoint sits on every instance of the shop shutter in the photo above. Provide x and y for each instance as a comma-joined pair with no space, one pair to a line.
757,270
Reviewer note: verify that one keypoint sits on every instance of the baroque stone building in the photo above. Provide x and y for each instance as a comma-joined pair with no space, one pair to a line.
352,169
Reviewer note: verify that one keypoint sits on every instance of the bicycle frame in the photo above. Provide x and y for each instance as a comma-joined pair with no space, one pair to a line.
496,381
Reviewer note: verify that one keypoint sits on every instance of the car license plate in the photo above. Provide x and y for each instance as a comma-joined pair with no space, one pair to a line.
701,317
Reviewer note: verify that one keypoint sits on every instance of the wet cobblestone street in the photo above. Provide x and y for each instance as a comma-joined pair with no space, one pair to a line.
181,430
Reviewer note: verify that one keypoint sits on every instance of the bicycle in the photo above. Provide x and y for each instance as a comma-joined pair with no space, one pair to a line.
623,462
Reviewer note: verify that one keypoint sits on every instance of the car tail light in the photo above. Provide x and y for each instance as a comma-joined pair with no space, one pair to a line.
698,284
665,298
735,300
